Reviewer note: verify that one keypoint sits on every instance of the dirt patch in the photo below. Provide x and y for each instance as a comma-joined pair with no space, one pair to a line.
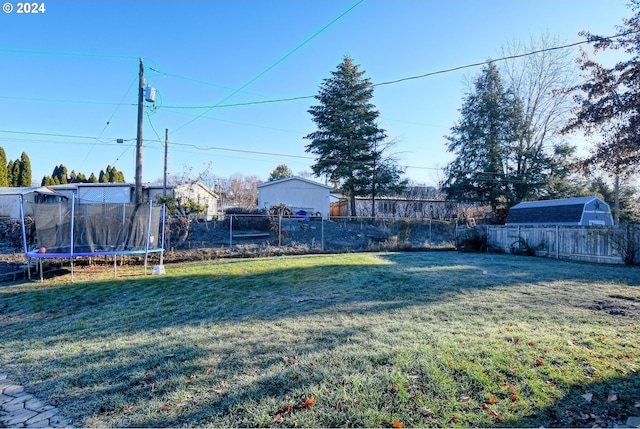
619,307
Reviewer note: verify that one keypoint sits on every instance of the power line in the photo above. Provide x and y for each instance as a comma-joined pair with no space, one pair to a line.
404,79
276,63
303,97
108,122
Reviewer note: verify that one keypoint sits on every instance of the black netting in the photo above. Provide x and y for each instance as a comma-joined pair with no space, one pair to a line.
96,227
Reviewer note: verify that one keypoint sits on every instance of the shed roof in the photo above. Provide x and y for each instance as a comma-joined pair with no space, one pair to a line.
44,190
302,179
561,211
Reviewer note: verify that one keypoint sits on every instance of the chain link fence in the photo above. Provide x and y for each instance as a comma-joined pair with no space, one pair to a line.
257,235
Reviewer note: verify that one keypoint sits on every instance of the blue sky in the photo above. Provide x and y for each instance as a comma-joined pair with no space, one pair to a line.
69,71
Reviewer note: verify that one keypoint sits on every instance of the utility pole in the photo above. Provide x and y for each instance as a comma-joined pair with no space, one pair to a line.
166,149
138,186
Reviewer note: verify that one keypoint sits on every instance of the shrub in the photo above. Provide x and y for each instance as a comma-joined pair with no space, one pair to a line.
473,240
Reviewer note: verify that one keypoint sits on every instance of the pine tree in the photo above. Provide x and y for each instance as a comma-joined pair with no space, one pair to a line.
10,169
348,134
24,178
4,178
490,122
282,171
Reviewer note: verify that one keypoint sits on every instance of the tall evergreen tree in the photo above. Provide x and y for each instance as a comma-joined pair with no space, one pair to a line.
10,173
490,122
24,178
348,134
4,178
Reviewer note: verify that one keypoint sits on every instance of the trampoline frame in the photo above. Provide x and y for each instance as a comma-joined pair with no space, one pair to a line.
36,254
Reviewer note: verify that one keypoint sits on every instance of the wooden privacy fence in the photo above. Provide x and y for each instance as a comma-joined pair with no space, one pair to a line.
590,244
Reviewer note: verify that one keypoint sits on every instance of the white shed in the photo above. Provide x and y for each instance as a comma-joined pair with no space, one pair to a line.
10,199
97,193
297,193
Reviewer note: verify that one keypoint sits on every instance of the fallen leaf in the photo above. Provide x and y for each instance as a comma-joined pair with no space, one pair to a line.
484,406
309,402
397,424
532,343
539,362
513,398
465,398
512,388
612,397
508,328
165,407
493,399
209,371
285,358
588,397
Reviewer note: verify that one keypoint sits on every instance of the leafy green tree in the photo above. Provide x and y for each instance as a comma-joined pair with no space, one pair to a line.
4,178
282,171
490,123
348,134
93,178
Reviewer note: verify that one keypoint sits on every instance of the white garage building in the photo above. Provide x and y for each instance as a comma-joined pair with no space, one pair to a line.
297,193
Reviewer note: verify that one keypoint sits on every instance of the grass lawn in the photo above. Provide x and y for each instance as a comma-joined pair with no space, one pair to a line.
367,339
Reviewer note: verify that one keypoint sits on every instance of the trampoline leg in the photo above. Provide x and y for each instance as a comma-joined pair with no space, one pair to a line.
115,265
71,270
40,263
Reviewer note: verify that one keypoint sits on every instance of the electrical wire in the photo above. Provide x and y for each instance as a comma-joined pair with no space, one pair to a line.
275,63
303,97
404,79
108,122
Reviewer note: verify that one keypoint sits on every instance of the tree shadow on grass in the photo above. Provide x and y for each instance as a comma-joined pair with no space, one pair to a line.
152,363
603,403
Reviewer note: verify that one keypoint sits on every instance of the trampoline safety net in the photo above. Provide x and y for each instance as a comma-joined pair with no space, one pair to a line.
97,228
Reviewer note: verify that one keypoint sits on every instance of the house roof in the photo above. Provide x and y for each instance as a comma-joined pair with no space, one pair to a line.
44,190
302,179
562,211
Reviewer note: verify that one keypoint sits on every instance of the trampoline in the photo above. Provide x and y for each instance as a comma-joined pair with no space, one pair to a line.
69,229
